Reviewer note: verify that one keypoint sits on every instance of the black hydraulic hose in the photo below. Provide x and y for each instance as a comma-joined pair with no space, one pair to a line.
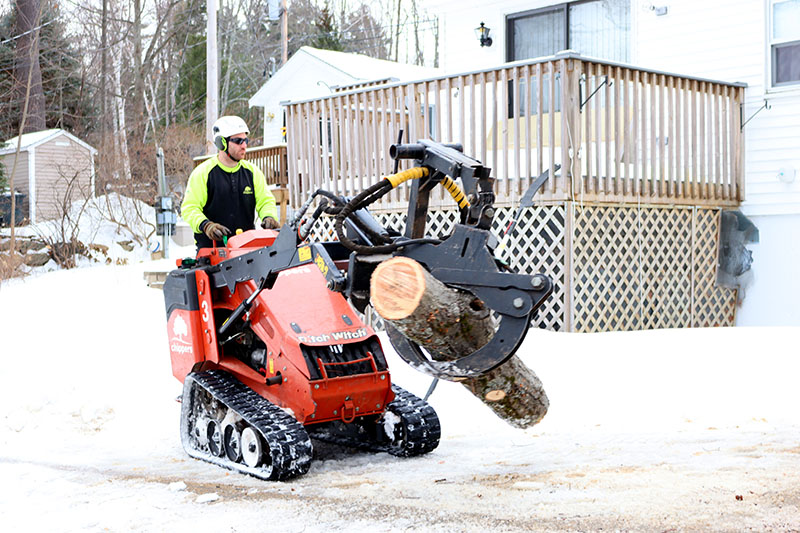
328,209
363,199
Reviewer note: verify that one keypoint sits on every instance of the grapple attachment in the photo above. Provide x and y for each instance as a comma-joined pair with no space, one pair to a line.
514,298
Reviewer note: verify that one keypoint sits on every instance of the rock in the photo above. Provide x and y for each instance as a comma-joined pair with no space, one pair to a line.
26,245
23,244
36,259
102,248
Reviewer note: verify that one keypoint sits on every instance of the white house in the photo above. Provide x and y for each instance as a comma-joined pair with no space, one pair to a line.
752,41
54,168
311,72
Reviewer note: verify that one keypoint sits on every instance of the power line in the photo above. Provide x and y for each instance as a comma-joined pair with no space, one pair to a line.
30,31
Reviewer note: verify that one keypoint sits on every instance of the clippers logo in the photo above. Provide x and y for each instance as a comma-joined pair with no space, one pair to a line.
178,343
180,329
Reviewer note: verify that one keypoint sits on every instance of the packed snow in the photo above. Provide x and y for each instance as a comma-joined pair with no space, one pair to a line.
693,429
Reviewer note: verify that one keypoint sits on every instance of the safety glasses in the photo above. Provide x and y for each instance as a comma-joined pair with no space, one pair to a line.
239,140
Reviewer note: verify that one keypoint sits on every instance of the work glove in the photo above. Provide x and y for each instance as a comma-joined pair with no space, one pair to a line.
215,231
269,223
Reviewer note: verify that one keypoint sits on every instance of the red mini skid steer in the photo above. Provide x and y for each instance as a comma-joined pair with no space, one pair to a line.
265,335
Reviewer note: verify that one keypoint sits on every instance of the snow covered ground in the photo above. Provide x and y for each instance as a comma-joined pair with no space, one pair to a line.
659,430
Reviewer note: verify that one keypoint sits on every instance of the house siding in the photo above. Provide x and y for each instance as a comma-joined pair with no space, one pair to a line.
60,163
727,40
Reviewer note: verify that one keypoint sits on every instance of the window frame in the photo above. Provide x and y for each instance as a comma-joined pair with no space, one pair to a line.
563,7
772,45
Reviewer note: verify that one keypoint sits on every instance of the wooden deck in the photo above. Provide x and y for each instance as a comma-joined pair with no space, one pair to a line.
622,134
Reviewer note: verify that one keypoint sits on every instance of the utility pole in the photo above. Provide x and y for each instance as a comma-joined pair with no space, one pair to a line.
284,33
103,76
212,73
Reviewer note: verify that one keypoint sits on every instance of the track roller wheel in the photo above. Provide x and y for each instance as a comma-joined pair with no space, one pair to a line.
232,440
252,449
214,435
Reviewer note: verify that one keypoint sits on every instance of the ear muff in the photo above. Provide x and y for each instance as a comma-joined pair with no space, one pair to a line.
221,142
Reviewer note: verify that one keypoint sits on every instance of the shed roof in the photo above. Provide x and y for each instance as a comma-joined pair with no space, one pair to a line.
357,67
362,67
34,139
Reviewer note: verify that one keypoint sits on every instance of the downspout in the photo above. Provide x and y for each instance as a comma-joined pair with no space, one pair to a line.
92,180
32,184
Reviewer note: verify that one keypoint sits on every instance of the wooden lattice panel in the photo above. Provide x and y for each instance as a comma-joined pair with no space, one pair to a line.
714,306
637,268
537,244
323,230
606,270
666,253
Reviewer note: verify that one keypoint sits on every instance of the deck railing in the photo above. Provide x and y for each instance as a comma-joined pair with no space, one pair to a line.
270,159
621,134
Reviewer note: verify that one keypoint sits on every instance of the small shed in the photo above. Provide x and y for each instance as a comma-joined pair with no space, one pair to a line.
54,169
312,73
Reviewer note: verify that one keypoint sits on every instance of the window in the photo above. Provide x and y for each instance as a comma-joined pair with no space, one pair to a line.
784,38
595,28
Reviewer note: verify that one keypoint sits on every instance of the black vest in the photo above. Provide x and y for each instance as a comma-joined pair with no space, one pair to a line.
231,201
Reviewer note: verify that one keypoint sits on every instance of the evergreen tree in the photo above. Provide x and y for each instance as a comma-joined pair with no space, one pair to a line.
3,178
190,102
327,36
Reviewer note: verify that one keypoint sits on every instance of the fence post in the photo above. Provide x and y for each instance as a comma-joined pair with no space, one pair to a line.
571,120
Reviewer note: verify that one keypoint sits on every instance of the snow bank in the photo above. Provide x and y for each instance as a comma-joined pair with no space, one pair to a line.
122,228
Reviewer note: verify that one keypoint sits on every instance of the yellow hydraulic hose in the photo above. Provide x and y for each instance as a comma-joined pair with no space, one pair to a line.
410,174
422,172
456,192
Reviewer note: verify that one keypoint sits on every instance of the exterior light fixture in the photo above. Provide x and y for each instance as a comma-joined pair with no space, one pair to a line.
482,33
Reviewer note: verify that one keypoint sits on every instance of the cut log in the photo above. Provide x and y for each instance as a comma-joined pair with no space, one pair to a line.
449,324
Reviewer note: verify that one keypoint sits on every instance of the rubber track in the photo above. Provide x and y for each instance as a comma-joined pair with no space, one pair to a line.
285,438
421,422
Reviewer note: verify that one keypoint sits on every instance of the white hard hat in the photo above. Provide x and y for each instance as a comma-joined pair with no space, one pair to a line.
229,125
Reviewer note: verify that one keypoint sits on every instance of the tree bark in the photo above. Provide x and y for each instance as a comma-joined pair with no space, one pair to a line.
27,64
120,125
449,324
138,96
103,76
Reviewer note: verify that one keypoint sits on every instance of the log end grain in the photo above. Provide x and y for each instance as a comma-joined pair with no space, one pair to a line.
397,286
